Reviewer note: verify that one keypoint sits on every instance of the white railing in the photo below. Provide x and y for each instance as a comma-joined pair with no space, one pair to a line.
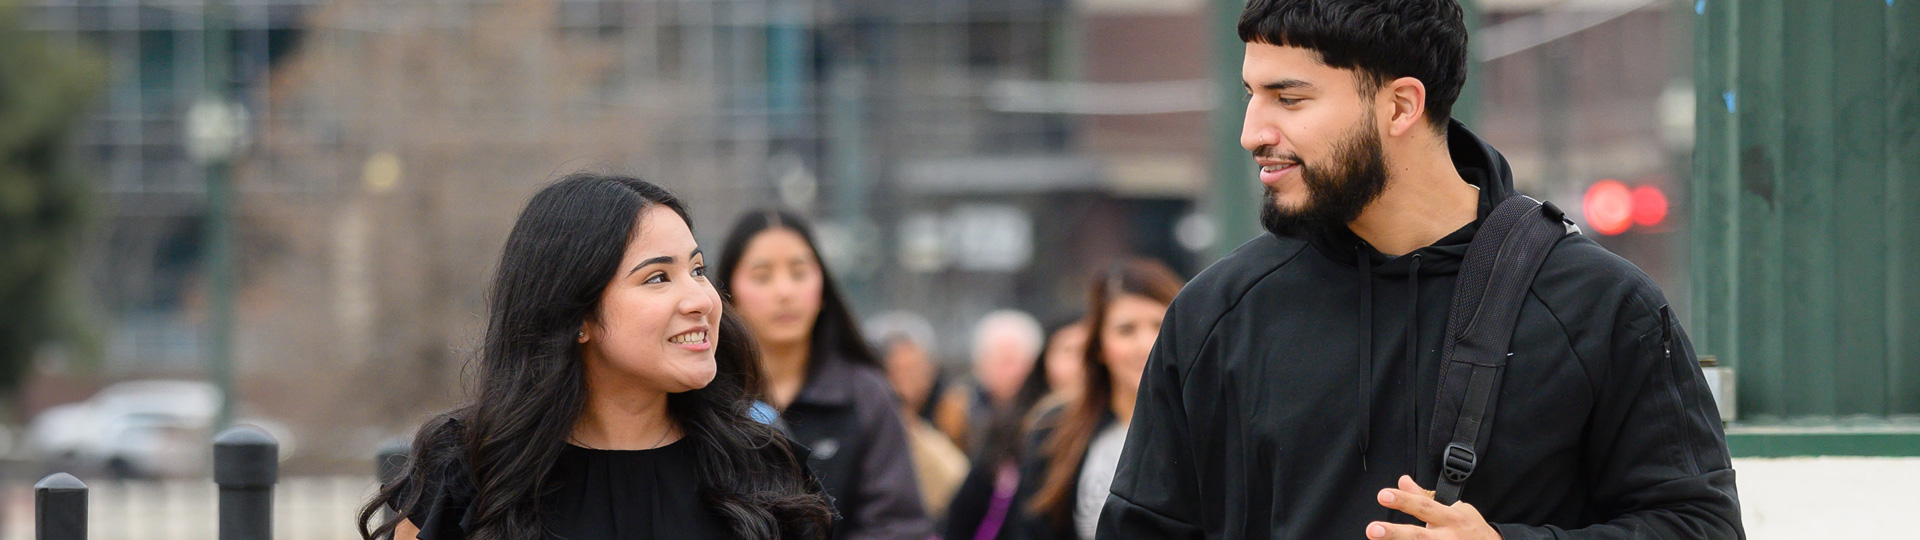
304,508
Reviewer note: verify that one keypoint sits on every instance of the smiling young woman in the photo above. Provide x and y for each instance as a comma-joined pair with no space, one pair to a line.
613,397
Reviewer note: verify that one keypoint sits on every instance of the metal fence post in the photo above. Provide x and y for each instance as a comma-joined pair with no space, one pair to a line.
60,508
389,463
246,464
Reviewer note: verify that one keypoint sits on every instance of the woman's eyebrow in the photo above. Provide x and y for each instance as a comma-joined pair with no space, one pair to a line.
656,260
663,259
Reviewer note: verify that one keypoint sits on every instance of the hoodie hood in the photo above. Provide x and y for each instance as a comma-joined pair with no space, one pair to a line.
1483,167
1480,165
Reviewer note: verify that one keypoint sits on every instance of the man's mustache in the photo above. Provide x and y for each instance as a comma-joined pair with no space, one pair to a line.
1268,152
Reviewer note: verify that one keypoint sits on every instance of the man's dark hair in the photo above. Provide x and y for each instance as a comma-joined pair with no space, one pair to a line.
1381,40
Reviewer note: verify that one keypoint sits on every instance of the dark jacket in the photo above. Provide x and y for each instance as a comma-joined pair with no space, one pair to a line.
1283,395
848,418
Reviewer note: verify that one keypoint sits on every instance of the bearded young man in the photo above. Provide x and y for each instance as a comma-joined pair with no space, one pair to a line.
1291,389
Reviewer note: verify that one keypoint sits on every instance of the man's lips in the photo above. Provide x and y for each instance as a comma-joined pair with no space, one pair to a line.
1272,172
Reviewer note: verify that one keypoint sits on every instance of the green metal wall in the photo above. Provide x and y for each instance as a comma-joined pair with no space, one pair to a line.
1806,204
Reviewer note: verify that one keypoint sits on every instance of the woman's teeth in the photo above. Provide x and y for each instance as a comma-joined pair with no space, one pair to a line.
689,337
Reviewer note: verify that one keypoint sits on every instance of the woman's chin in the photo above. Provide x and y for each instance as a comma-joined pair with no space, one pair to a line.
698,376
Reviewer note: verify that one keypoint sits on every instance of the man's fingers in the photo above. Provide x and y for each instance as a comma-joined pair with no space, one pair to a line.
1380,530
1417,504
1407,484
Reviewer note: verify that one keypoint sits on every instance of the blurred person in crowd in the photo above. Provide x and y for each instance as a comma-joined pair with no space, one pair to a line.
1060,360
612,383
1074,449
906,343
985,500
1293,392
822,377
906,340
1006,345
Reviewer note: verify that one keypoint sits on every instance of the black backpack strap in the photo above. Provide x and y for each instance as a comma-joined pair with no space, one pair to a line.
1499,268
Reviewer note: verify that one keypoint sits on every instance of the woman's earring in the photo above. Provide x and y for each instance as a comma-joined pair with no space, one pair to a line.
581,335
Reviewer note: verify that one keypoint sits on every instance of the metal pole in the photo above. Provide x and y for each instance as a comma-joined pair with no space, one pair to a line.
246,464
390,462
60,508
1236,193
215,47
1466,109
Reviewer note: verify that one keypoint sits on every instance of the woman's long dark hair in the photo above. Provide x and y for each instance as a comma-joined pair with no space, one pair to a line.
1075,429
563,251
834,331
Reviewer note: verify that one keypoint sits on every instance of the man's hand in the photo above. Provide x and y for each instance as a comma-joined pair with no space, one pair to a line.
1458,522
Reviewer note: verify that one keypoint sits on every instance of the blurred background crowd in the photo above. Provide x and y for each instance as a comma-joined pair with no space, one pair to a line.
958,158
285,211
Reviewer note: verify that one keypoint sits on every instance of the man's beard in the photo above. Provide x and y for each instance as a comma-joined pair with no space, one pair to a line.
1336,194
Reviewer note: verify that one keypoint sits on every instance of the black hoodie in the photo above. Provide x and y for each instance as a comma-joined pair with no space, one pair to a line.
1283,395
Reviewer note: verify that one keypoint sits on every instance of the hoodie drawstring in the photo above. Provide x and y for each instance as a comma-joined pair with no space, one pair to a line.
1364,265
1366,348
1413,358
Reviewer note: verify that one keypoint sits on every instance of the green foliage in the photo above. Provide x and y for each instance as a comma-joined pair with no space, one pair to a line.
45,91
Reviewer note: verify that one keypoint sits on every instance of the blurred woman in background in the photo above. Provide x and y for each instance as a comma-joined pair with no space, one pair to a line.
822,377
985,501
1074,452
1061,361
613,384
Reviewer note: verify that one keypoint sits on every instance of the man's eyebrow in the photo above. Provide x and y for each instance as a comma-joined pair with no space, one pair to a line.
1286,84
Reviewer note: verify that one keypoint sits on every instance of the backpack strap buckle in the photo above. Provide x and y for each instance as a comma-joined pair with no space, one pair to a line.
1458,463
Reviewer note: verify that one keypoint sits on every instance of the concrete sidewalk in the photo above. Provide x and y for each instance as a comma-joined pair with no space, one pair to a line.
1829,497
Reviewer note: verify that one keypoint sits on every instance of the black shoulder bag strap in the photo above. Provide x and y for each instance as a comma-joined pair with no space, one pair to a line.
1499,268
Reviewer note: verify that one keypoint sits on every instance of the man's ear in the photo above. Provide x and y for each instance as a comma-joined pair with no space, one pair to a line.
1406,105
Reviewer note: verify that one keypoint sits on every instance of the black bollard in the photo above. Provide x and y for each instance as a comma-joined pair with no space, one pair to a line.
60,508
246,464
389,463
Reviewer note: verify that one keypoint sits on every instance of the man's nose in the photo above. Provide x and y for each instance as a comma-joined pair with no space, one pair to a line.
1255,134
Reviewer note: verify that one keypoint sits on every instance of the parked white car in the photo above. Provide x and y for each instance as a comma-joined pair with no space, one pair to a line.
138,429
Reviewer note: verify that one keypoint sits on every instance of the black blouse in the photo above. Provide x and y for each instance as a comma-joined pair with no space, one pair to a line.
602,495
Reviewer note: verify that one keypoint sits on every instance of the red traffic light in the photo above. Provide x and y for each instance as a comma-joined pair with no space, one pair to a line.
1609,207
1649,206
1612,208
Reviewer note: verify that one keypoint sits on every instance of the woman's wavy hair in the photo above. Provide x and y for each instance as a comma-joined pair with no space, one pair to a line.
563,251
1077,424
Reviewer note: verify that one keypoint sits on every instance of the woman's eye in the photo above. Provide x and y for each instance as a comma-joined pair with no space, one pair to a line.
700,271
1289,102
656,278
